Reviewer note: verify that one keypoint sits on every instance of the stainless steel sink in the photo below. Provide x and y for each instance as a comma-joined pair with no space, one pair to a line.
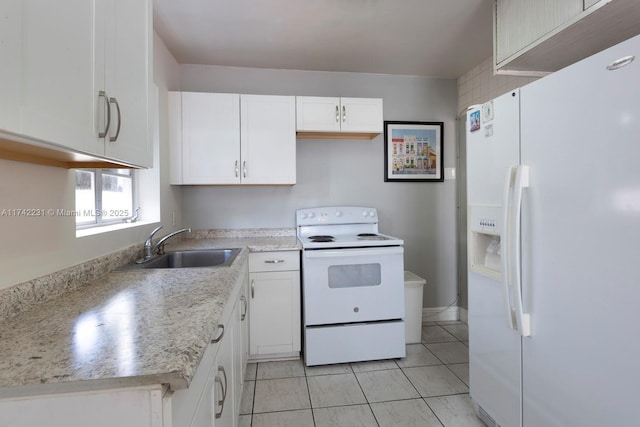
193,259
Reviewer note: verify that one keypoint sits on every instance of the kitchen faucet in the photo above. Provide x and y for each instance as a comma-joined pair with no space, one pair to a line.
158,248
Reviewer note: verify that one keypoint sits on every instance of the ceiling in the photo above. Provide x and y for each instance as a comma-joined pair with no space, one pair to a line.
435,38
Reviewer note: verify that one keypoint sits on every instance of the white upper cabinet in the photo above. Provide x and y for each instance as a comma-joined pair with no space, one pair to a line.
542,36
57,73
221,139
361,115
268,139
11,64
317,115
76,76
127,80
543,16
210,138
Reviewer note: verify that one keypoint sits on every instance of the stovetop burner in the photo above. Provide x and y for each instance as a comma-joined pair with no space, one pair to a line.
371,236
322,239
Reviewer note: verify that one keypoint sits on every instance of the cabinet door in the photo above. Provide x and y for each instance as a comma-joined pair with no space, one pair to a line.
361,114
238,338
128,80
521,22
11,65
210,138
275,312
268,139
242,335
58,91
317,114
126,407
224,392
216,405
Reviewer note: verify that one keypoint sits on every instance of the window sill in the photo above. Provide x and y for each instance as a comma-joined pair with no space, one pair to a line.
109,228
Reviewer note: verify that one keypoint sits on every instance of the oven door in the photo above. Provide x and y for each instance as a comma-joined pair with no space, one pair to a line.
353,285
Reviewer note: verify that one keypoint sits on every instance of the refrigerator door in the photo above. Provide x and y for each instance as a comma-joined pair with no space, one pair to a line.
494,348
581,240
492,147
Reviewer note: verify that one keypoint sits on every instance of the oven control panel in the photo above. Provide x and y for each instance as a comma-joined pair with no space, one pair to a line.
336,215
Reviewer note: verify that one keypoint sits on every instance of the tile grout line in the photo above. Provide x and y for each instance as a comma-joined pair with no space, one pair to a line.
306,381
355,374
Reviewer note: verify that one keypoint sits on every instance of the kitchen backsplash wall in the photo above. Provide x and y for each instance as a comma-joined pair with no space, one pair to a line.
344,172
479,85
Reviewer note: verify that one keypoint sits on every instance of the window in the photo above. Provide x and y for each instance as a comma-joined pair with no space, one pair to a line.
103,196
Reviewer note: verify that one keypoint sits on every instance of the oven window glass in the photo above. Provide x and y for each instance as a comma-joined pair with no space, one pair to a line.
354,275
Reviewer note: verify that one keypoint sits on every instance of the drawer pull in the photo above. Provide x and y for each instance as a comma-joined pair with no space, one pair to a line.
224,390
217,340
274,261
244,312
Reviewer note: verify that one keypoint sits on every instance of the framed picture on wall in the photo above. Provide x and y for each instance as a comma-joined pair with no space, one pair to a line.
413,151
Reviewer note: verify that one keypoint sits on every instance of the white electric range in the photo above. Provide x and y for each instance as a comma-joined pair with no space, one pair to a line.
352,286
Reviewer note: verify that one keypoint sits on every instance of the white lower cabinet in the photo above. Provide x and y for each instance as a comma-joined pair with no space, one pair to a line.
275,304
134,407
218,402
211,400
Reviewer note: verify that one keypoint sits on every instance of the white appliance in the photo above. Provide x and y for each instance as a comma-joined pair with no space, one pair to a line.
352,286
554,247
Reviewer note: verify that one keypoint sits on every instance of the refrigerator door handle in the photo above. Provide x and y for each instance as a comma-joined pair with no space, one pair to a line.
523,320
504,244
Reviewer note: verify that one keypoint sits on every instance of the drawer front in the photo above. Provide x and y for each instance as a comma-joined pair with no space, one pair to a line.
274,261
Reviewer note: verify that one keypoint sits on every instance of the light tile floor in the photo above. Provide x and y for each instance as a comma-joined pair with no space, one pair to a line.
429,387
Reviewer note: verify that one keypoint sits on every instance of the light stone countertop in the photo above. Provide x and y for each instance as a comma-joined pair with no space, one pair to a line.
127,328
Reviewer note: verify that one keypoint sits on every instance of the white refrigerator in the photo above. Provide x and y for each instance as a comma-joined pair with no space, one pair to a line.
553,195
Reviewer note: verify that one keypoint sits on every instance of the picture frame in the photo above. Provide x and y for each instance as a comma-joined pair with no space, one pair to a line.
413,151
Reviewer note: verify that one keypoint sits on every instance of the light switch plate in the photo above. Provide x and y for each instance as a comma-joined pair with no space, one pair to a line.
449,173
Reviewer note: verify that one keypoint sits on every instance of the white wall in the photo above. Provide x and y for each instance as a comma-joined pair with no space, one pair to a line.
34,246
479,85
334,172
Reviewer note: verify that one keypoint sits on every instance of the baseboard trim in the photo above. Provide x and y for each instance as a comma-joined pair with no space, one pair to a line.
253,358
464,315
440,314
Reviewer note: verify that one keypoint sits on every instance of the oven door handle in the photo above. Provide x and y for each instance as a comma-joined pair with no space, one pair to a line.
332,253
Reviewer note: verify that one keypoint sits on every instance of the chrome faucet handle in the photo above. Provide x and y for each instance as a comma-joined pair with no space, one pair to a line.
147,250
148,241
158,248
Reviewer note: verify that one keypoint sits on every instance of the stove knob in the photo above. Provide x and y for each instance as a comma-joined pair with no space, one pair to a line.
338,213
372,214
312,215
364,213
304,216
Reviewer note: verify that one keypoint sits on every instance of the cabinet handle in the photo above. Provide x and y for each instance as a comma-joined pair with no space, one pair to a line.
274,261
115,101
217,340
244,312
237,170
253,288
224,390
103,94
244,168
344,114
337,114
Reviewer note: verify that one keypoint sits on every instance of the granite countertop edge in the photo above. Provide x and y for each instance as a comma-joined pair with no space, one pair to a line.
171,316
